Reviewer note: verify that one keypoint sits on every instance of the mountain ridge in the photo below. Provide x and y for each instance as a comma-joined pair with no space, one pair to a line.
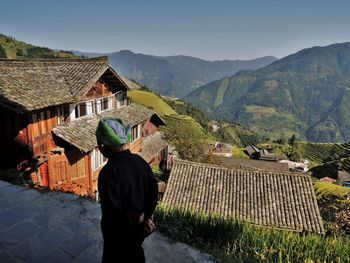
306,93
175,75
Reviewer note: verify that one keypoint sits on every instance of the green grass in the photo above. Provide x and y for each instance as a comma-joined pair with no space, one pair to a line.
238,152
229,240
150,100
323,189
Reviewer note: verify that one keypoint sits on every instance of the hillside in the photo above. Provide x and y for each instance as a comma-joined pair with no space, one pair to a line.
306,94
185,123
176,75
12,48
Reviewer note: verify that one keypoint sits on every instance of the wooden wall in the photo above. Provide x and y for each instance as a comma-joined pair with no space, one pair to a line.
70,171
148,129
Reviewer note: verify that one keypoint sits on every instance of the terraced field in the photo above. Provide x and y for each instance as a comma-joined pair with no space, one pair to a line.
344,164
175,121
150,100
324,152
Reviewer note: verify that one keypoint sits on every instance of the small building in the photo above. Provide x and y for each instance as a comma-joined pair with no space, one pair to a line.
278,200
214,125
296,166
327,179
343,176
222,149
267,156
252,151
50,109
261,154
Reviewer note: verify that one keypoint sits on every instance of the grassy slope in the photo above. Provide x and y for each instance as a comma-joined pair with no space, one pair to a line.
172,119
325,189
12,46
150,100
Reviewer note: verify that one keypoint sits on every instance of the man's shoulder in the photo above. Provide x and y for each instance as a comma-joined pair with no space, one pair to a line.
138,158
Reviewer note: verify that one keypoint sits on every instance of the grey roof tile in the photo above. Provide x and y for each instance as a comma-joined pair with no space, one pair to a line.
152,145
32,84
272,199
81,132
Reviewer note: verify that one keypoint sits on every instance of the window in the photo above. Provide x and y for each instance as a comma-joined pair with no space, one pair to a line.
59,114
120,99
82,109
104,104
135,133
97,159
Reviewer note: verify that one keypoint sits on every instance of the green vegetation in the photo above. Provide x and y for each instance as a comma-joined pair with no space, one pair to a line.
229,240
184,108
18,49
151,100
238,153
305,94
12,176
324,189
323,152
334,204
188,137
2,52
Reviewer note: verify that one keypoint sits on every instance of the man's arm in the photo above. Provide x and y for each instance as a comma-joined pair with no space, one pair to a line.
110,193
152,195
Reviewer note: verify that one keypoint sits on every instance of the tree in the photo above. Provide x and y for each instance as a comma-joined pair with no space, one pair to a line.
292,140
294,156
2,52
19,53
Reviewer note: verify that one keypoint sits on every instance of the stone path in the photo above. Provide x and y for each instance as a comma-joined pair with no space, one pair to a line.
59,227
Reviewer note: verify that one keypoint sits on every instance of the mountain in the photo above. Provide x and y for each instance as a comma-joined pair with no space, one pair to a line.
306,94
12,48
176,75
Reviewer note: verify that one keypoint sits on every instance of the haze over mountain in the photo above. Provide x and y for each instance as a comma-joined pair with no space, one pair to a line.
307,94
176,75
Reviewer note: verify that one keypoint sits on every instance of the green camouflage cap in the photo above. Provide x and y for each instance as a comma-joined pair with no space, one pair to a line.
112,132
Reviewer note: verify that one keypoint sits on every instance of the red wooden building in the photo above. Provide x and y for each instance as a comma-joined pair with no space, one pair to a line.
49,113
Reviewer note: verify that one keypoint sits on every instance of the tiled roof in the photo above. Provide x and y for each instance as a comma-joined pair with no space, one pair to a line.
32,84
130,115
151,145
81,132
254,164
280,200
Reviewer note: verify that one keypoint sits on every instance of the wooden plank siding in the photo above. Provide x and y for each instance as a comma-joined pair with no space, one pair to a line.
73,177
136,146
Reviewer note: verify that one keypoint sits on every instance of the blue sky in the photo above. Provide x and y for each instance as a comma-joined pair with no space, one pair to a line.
209,29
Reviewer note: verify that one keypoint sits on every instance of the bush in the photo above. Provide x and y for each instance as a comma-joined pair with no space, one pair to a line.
342,220
12,176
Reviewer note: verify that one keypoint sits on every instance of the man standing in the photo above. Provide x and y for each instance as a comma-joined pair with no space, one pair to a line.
128,192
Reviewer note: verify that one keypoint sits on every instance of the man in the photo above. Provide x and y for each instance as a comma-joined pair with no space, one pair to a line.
128,192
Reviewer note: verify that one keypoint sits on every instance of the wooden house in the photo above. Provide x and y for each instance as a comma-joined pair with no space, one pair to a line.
50,110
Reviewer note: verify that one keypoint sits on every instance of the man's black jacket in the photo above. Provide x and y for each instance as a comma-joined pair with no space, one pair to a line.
127,188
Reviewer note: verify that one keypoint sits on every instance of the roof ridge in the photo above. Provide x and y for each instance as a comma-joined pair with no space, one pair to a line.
102,59
256,170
